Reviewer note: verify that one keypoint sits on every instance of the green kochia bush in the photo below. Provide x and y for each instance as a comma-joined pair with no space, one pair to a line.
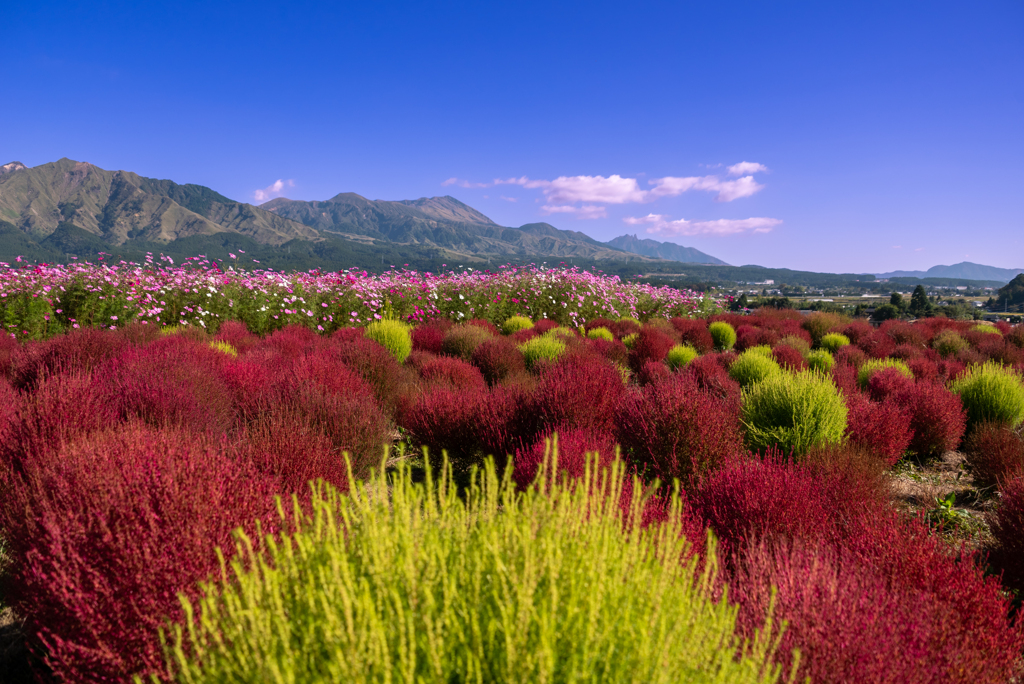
820,360
680,356
833,341
795,412
991,392
723,334
424,586
393,336
872,366
601,333
549,348
753,366
515,324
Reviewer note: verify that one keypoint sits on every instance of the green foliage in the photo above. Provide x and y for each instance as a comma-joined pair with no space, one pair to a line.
548,348
601,333
563,333
833,341
393,336
818,324
723,335
761,349
987,329
793,411
411,582
872,366
515,324
225,347
991,392
752,367
820,360
798,343
949,343
680,356
462,340
630,340
919,304
885,312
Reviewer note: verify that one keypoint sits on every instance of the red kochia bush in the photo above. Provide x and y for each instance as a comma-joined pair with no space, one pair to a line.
543,325
877,345
428,338
845,378
175,382
9,349
993,453
238,336
293,450
1007,525
294,340
580,390
923,369
748,336
653,371
883,428
651,344
937,417
573,447
712,377
789,358
903,333
857,330
452,372
443,418
677,430
498,358
80,351
104,535
900,610
391,382
10,403
694,332
851,355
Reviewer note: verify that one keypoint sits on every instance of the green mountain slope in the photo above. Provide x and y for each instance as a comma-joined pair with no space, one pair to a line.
118,206
663,250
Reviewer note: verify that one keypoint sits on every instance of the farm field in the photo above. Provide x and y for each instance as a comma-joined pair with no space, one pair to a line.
209,475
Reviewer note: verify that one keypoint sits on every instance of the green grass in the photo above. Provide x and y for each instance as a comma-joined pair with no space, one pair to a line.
793,411
406,582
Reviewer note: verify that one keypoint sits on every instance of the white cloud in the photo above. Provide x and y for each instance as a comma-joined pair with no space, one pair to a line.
658,223
587,211
463,183
273,190
745,168
510,199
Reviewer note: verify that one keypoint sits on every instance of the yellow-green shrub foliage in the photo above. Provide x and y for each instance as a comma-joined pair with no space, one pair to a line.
407,582
462,340
753,366
948,343
832,342
630,339
793,411
680,356
872,366
563,333
723,335
222,346
820,322
601,333
988,329
515,324
798,343
549,348
820,360
991,392
393,336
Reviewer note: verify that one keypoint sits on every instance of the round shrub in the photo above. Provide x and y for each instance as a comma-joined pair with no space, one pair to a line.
986,329
651,344
855,330
541,348
452,372
562,333
872,366
877,345
1007,525
789,358
948,343
393,336
578,391
544,325
675,429
883,428
854,356
937,417
833,341
390,380
798,343
515,324
820,360
462,341
752,367
794,412
993,453
818,324
428,338
600,334
475,599
694,331
680,355
991,392
497,359
630,339
723,335
571,449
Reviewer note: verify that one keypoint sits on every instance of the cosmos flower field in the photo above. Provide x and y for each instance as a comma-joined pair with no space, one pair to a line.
209,475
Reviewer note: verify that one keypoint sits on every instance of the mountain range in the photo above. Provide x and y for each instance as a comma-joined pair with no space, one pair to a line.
68,208
963,270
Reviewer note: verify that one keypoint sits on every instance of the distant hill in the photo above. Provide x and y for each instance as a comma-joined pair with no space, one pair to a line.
965,270
663,250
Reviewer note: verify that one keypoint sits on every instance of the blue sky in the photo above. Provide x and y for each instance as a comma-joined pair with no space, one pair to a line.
862,137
